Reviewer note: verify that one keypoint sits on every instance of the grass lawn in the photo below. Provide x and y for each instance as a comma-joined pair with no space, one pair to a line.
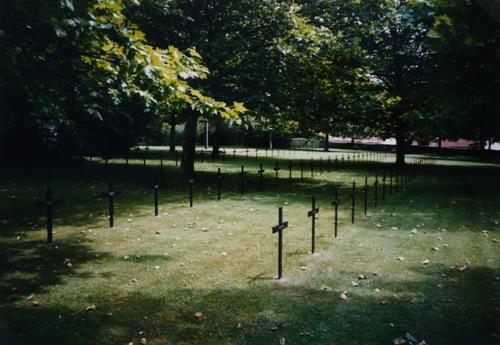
425,261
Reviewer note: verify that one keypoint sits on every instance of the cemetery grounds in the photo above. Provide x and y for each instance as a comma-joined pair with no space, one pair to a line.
423,265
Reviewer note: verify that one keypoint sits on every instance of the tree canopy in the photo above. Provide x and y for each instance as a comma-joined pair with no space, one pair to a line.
100,73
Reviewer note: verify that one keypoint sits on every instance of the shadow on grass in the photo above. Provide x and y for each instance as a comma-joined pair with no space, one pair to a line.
461,312
29,266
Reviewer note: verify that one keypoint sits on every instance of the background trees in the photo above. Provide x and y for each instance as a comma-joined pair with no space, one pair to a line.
102,74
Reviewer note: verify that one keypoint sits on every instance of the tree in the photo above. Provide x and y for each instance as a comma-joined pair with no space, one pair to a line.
73,66
465,38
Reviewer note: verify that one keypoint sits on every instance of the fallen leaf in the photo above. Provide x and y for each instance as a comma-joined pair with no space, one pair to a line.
90,307
343,296
198,315
400,258
399,341
425,262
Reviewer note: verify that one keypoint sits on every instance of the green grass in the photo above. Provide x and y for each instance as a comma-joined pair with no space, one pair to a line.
148,276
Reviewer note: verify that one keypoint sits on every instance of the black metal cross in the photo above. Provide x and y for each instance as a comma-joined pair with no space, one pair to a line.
156,187
279,229
242,180
277,169
49,203
353,201
219,184
234,152
290,171
335,203
110,194
366,195
376,190
261,176
312,214
190,186
384,177
145,155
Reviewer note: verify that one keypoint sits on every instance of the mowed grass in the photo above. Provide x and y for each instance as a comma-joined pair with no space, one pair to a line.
148,276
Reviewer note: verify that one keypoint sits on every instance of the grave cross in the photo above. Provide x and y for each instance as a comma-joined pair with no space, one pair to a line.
234,152
219,184
145,155
277,169
279,229
156,187
312,168
335,203
110,194
190,186
261,176
312,214
49,203
242,180
384,177
290,171
353,201
301,169
366,195
376,190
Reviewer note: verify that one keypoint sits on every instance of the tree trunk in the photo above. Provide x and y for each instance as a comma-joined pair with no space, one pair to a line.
327,143
189,144
216,137
400,145
172,133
